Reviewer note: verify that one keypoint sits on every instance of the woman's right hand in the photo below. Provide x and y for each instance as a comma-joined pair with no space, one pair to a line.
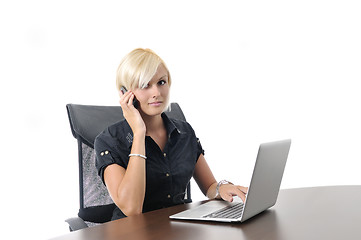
131,114
127,186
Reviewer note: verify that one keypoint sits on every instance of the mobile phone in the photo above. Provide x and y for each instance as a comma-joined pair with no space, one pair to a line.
135,101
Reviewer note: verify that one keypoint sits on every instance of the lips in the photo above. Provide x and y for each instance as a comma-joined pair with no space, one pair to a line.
155,104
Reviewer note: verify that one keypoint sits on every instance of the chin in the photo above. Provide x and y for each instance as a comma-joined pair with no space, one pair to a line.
153,111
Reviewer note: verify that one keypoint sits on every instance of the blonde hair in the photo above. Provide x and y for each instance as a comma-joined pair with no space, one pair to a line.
137,69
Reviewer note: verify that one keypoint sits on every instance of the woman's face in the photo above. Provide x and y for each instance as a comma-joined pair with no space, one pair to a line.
153,99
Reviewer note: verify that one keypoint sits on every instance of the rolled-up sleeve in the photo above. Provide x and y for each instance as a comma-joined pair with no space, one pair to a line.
199,148
107,153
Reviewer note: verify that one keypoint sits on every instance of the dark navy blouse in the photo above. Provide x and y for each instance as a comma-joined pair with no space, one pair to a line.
168,172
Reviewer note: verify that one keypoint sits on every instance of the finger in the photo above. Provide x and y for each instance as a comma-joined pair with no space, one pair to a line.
130,100
237,191
243,189
124,99
241,194
228,197
243,197
123,94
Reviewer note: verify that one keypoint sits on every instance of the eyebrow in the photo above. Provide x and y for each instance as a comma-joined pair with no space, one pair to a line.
162,77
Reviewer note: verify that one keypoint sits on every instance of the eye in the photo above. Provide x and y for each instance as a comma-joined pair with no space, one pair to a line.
162,82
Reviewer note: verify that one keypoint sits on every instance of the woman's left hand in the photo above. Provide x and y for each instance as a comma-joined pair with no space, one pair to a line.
228,191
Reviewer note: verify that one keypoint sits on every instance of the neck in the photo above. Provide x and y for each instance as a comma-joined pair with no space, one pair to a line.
153,123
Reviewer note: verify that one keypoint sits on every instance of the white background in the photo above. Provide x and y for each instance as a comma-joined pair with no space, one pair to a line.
244,72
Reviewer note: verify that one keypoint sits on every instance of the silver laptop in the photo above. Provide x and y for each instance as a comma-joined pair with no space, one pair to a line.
262,192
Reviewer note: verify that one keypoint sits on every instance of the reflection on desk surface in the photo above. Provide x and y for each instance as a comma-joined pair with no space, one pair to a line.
306,213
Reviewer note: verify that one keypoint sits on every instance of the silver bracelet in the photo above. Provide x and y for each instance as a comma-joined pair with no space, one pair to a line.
219,184
137,155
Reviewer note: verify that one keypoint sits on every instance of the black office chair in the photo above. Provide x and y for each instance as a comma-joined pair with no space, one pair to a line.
86,122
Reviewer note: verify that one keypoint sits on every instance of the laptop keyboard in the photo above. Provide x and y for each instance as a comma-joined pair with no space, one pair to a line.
234,211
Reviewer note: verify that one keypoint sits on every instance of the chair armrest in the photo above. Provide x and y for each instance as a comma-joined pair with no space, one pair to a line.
76,223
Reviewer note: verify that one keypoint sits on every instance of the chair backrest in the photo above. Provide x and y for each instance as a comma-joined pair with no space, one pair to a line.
86,122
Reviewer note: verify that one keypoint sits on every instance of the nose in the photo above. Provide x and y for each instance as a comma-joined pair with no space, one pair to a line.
155,91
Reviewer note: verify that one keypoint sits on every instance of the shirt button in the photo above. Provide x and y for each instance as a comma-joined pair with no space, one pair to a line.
106,152
167,174
168,196
102,154
164,154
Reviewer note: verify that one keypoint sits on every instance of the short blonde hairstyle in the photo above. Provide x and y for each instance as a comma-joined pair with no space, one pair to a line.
137,69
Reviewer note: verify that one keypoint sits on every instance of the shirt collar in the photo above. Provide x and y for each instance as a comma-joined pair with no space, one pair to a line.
168,123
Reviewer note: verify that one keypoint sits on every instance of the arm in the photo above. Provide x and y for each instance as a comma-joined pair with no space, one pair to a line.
204,177
208,184
127,186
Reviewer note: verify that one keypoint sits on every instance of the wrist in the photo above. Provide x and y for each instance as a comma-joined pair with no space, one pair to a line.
219,184
139,134
139,129
138,155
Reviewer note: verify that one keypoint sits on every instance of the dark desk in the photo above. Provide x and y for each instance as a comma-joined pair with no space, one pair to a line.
304,213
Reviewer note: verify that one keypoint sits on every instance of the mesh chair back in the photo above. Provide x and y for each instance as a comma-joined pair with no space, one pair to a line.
87,121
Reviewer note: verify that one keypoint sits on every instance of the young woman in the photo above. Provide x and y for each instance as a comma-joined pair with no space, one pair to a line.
147,160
